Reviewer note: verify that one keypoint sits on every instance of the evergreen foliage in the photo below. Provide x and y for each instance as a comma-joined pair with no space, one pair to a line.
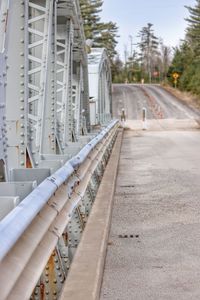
102,34
90,10
193,30
186,59
148,46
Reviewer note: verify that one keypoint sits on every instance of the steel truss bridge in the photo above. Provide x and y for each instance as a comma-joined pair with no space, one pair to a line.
56,135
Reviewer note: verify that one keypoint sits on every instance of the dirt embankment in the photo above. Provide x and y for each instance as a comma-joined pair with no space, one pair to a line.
186,97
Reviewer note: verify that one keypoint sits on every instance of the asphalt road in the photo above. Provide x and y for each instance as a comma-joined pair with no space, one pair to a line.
159,103
153,251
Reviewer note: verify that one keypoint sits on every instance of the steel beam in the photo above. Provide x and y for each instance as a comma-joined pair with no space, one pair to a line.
100,86
47,69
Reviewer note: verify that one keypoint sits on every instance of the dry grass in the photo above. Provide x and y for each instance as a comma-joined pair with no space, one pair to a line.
186,97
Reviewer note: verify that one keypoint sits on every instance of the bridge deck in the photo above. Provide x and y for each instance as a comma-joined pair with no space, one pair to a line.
153,247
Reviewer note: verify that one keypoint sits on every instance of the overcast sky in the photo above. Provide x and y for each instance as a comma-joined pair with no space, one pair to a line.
131,15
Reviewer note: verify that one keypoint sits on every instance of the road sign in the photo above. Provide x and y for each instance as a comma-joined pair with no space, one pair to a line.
155,74
175,75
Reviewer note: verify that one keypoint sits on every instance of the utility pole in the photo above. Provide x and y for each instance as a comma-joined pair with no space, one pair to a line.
131,42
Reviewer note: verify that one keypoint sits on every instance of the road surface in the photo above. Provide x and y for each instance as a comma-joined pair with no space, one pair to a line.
154,244
159,103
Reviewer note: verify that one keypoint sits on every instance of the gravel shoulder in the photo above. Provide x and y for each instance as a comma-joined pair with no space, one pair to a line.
185,97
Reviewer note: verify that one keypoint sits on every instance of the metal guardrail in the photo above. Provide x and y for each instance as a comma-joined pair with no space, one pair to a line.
45,228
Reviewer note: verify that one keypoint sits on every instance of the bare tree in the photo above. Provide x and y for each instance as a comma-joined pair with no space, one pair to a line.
166,58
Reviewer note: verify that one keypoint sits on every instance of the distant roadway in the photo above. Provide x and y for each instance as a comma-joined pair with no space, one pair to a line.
159,103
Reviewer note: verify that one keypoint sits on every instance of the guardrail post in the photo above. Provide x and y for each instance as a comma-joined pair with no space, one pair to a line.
144,112
75,229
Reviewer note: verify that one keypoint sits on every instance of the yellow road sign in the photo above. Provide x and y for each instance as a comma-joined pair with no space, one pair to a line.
175,75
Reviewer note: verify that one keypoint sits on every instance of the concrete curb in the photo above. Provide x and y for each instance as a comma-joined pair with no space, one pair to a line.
86,272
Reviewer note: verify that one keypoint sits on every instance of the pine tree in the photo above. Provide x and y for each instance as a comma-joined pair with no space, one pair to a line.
102,34
107,38
90,10
184,64
148,48
117,70
193,30
186,59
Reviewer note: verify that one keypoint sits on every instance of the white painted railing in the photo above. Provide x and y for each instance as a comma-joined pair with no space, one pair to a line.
48,224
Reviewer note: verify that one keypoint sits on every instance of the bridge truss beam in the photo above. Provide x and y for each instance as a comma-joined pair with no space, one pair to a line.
100,86
47,189
45,50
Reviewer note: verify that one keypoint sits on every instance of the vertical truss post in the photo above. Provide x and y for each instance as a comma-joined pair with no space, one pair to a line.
81,59
4,7
64,43
77,99
75,229
86,107
15,98
48,136
40,78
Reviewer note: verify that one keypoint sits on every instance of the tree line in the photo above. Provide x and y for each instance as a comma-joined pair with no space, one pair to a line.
152,61
186,60
149,64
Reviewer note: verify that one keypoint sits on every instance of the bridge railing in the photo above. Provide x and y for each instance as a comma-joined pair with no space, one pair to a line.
39,237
